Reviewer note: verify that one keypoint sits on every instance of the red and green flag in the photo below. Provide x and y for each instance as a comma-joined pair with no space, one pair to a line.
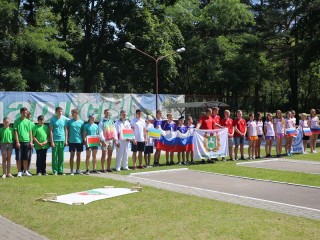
93,141
127,134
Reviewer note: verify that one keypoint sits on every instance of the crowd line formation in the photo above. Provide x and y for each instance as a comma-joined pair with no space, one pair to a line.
61,132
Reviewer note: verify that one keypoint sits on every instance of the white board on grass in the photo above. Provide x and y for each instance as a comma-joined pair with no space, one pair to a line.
88,196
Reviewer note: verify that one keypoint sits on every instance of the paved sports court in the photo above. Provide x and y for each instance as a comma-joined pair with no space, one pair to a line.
287,198
286,165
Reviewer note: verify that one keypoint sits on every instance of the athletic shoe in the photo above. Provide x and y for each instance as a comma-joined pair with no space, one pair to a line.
45,174
56,174
71,173
4,176
87,172
39,174
127,169
26,173
10,175
95,171
223,159
243,158
167,163
109,170
203,162
118,170
258,157
19,174
172,163
179,163
78,172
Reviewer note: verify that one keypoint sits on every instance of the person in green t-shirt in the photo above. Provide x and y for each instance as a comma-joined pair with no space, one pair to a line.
75,141
41,135
29,117
58,139
24,141
6,142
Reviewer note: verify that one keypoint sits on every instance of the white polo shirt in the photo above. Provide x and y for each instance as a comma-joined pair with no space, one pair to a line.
138,126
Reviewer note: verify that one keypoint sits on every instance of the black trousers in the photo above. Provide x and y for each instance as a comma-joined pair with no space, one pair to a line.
41,160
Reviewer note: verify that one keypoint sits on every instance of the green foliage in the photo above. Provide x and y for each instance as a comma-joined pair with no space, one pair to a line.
256,55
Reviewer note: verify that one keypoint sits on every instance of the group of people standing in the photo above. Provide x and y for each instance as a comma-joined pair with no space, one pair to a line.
61,132
276,128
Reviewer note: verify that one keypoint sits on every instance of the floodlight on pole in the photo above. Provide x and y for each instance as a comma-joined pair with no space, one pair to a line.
133,47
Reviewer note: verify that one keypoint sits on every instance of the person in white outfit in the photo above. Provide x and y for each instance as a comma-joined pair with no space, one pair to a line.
122,144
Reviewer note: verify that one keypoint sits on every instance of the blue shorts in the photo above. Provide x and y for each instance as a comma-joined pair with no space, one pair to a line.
238,140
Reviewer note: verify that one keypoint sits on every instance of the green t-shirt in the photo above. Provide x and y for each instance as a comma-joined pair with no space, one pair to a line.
41,133
75,128
91,129
23,127
6,135
58,125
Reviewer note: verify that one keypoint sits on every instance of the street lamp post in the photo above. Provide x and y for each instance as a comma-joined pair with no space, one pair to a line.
133,47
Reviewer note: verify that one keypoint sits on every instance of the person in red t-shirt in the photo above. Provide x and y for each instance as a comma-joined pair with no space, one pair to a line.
228,123
240,130
216,118
206,122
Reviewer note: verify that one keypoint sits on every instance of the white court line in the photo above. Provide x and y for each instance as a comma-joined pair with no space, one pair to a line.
281,160
257,161
258,179
229,194
160,171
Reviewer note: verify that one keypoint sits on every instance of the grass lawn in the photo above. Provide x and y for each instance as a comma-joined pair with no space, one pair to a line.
151,214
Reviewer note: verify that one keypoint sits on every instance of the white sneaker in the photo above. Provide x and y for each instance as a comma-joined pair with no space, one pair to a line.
71,173
19,174
27,173
55,173
78,172
127,169
4,176
39,174
87,172
118,170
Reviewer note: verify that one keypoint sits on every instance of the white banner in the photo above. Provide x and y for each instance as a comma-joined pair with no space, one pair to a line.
210,143
297,143
86,197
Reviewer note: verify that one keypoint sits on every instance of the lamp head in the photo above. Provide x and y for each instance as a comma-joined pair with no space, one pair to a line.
130,45
180,50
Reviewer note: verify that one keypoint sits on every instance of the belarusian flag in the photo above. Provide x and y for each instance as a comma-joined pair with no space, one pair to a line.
127,134
93,141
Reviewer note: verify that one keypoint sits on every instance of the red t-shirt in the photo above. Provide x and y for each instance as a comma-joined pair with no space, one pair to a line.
216,119
206,122
241,125
227,123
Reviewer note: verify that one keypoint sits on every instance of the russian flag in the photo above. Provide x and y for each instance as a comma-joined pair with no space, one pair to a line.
315,130
307,131
171,142
291,132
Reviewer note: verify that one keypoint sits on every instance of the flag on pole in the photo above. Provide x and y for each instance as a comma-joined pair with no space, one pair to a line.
127,134
93,141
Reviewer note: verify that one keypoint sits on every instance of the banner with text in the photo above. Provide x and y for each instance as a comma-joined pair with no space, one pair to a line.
44,103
